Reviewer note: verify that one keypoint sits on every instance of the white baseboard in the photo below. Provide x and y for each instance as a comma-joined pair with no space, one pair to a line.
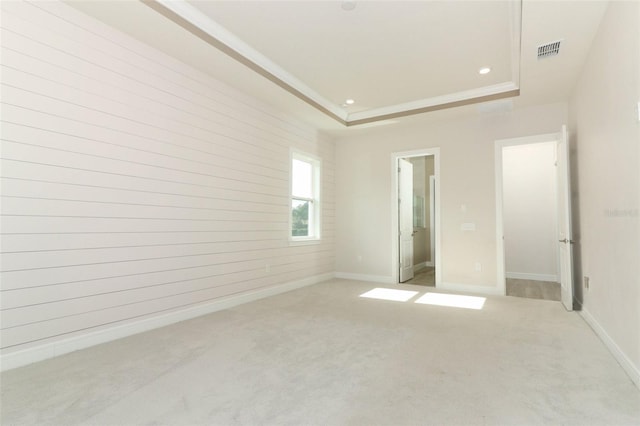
49,350
632,370
533,277
362,277
429,263
470,288
419,267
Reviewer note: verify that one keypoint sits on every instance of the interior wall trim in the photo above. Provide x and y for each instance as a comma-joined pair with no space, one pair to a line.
632,370
384,279
471,288
420,267
509,93
53,349
533,277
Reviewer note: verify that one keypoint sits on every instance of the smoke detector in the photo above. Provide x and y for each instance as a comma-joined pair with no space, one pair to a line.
549,49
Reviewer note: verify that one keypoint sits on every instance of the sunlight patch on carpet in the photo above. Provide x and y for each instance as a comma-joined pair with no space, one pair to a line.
389,294
452,300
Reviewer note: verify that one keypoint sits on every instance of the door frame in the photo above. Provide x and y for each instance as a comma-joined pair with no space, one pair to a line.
499,145
563,180
395,251
432,218
406,222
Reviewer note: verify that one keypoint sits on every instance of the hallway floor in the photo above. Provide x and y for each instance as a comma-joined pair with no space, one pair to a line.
425,276
545,290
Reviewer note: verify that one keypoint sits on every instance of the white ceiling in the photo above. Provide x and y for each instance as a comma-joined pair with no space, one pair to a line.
379,54
390,56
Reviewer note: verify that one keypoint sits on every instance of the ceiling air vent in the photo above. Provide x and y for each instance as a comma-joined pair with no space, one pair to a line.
549,49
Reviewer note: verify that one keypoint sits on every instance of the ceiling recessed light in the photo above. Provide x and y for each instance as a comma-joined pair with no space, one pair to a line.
349,102
484,70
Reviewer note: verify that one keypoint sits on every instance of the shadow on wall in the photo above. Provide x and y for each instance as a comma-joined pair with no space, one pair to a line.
578,296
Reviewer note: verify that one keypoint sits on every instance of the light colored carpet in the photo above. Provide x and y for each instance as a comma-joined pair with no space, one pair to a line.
322,355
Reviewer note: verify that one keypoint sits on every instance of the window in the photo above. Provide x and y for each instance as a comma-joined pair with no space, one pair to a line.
305,198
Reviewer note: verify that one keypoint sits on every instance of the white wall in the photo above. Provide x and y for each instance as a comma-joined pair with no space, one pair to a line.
606,141
530,211
364,204
135,186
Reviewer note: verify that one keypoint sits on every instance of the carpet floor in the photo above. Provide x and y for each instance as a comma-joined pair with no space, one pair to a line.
322,355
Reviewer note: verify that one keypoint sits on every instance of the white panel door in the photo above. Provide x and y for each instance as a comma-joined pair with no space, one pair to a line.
564,221
405,215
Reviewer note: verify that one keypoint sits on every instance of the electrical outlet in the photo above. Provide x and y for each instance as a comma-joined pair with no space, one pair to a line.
267,268
478,267
359,258
586,282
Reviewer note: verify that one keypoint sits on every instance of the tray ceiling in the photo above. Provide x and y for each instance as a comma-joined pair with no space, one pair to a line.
393,59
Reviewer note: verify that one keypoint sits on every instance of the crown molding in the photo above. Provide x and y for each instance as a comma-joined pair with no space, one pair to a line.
197,23
482,94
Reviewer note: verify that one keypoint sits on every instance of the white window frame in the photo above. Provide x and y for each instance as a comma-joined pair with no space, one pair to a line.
315,200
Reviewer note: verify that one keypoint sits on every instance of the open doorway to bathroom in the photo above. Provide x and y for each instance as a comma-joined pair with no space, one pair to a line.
423,221
416,227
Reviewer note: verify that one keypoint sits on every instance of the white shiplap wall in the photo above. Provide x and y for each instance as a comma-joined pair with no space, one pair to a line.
134,185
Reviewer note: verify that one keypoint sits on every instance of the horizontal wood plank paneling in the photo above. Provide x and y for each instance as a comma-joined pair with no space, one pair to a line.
59,327
133,185
222,200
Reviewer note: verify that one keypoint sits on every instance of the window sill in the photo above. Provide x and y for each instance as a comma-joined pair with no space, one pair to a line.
304,242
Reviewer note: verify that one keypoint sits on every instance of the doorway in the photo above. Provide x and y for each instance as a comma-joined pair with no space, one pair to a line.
534,252
415,224
530,221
